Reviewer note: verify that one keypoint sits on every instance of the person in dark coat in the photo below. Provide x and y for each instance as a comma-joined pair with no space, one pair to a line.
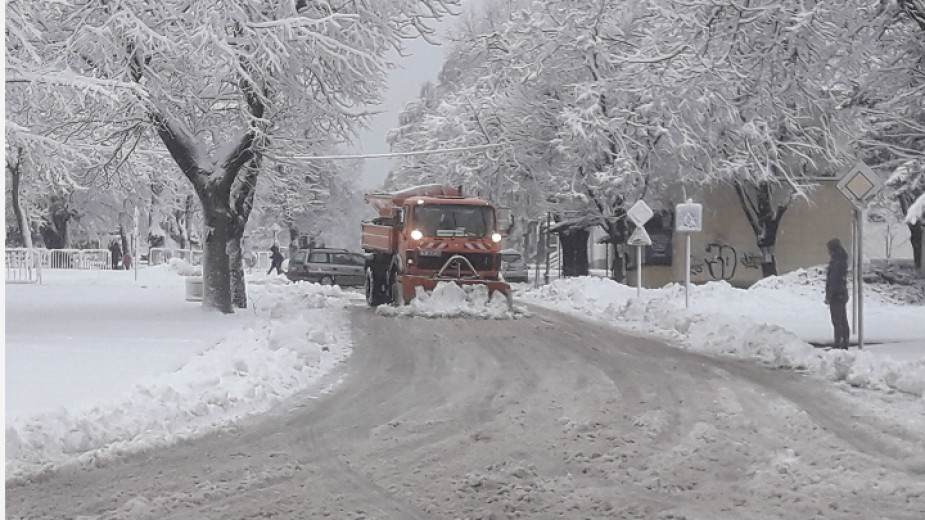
276,260
836,291
116,252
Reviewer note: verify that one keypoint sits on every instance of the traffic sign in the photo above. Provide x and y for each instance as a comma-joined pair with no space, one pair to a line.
640,238
688,217
860,184
640,213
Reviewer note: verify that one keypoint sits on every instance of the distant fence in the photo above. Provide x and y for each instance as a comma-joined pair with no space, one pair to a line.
88,259
22,265
263,259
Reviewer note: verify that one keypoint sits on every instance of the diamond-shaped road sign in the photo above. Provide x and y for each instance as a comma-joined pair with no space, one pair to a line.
860,184
640,213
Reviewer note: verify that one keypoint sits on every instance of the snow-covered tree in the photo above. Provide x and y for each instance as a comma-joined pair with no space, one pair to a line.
764,95
226,86
888,96
557,84
907,186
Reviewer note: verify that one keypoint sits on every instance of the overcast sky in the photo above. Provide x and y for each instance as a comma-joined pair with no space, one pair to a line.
420,66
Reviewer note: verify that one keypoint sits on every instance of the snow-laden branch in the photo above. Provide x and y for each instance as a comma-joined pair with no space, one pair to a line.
105,87
395,154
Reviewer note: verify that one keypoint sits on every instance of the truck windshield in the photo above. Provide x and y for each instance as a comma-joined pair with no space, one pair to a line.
449,220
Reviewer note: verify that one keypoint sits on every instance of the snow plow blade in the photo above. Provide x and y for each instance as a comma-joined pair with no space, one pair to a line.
408,284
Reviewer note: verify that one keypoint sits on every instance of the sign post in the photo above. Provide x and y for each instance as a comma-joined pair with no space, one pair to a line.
135,241
859,185
276,229
688,219
639,214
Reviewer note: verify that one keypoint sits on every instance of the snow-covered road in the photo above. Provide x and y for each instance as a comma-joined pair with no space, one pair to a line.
539,417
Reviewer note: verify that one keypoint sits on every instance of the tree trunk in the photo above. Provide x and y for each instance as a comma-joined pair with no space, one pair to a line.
915,239
54,231
226,194
618,234
215,264
188,222
124,239
243,190
574,252
227,197
764,216
294,234
236,266
15,171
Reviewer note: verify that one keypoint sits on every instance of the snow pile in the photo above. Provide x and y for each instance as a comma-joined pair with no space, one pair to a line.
299,335
724,320
449,300
916,210
183,267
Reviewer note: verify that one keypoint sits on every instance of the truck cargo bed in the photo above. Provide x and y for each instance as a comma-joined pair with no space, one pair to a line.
379,238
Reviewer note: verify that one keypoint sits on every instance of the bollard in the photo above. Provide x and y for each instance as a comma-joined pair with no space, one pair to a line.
194,290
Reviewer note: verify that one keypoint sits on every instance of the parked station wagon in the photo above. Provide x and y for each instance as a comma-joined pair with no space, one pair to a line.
327,267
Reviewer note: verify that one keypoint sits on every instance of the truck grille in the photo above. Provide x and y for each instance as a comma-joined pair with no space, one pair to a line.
481,261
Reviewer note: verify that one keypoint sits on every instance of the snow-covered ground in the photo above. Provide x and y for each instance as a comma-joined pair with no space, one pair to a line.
99,363
780,321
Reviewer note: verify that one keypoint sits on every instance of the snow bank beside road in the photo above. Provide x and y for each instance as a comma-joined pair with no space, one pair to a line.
773,321
299,335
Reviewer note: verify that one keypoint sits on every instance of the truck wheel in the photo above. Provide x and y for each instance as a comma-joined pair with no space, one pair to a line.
373,288
398,297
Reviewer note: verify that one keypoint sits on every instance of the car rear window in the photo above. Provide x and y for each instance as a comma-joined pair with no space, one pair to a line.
510,257
316,257
298,257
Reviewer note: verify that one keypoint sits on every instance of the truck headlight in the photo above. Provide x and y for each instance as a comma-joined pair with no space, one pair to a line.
496,238
417,235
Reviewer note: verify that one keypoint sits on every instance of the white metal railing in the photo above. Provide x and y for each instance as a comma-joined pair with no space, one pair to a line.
95,259
22,265
87,259
263,259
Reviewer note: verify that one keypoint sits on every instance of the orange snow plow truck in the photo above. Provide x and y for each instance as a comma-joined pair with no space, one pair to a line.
426,235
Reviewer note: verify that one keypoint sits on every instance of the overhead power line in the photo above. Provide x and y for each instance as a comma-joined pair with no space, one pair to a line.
393,154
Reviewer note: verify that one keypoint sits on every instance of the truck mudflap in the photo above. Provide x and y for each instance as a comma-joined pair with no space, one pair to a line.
428,283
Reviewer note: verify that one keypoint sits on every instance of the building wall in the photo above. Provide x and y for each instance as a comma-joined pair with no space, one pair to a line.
726,249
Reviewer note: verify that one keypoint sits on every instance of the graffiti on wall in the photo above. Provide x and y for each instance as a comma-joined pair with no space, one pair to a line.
751,260
721,261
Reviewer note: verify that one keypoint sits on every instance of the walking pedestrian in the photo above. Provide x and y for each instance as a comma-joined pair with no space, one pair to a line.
276,260
836,291
116,254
